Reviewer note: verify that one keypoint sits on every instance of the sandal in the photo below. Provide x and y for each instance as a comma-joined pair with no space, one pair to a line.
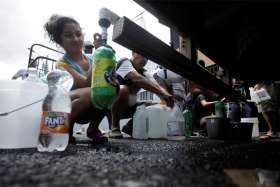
96,136
115,133
268,135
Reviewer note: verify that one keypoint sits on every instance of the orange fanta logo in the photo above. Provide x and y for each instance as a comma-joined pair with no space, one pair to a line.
55,122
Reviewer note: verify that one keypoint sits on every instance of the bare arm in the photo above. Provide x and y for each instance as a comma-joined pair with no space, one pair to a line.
205,103
88,77
80,81
149,85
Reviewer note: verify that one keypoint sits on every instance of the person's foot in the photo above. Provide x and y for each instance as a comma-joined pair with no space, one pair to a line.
269,135
128,128
115,133
96,135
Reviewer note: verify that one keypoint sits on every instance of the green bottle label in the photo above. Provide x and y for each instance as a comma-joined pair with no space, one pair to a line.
103,94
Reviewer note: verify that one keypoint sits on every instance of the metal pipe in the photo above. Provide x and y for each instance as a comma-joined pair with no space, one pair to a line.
132,36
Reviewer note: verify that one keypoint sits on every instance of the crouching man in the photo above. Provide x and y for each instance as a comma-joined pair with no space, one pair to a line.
132,77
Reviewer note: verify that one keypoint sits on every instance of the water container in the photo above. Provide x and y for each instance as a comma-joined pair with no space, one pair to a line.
158,121
246,110
216,127
103,93
255,122
140,123
157,117
56,109
22,103
175,122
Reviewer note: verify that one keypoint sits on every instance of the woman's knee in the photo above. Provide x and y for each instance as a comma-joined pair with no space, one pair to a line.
81,102
81,95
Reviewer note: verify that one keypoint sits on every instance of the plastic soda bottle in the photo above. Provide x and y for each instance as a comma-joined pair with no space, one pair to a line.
220,110
54,127
32,75
103,90
188,122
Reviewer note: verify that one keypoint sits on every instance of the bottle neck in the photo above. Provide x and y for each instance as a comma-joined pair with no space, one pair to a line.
32,76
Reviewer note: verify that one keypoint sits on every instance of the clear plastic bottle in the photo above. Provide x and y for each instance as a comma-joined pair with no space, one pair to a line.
54,129
32,75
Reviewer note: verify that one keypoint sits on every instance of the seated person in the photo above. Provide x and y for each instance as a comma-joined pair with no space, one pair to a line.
132,77
201,106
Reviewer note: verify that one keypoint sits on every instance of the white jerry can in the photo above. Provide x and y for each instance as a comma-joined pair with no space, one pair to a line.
157,121
150,122
140,124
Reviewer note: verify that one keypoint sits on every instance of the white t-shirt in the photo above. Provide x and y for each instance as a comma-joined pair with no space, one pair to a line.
125,68
177,81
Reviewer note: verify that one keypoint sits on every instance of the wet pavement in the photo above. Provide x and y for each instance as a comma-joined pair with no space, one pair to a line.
129,162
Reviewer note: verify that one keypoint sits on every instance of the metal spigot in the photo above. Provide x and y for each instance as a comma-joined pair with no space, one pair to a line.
106,18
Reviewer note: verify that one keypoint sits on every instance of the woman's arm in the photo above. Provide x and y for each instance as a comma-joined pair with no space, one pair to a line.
80,81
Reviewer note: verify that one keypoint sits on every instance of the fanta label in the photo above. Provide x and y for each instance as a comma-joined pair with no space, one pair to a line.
54,122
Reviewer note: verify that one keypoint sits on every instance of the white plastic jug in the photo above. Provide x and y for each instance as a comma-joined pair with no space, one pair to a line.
175,122
150,122
157,116
20,129
140,123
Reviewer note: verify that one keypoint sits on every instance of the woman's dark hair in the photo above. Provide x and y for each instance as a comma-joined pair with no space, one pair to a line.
54,27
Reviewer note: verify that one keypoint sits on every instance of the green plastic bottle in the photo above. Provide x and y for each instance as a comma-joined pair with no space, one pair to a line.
220,110
188,122
103,93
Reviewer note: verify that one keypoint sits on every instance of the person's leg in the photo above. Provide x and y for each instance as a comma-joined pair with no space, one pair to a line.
83,111
120,107
81,103
93,131
128,127
269,113
269,109
203,123
271,120
109,118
